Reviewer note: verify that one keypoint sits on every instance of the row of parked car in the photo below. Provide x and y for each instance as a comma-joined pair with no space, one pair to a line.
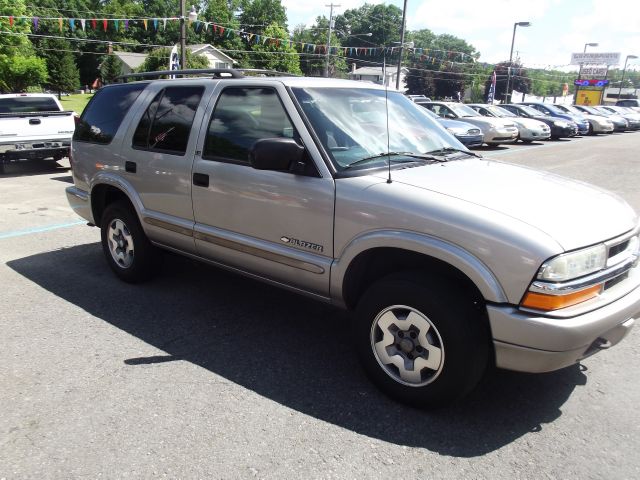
476,124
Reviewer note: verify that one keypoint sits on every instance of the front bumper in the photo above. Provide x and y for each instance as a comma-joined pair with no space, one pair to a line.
602,128
526,134
471,140
501,136
561,132
527,342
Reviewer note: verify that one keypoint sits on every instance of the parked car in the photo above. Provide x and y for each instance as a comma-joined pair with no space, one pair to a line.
619,123
554,111
494,130
419,98
450,262
629,102
559,128
469,135
597,123
632,117
33,126
529,129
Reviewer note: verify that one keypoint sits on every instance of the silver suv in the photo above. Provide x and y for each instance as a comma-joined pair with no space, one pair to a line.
355,196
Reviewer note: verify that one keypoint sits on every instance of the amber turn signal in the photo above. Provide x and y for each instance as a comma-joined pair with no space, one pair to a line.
540,301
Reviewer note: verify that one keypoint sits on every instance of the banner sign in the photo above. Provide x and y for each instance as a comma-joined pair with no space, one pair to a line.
596,58
594,71
591,83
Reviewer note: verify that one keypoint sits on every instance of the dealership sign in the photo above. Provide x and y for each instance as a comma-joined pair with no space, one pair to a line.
591,83
599,58
594,72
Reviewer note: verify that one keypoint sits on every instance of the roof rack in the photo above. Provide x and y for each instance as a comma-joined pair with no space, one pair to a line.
214,72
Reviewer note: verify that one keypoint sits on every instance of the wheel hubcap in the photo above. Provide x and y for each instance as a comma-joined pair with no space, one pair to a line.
120,243
407,345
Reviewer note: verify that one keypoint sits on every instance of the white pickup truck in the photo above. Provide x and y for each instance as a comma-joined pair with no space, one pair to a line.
33,126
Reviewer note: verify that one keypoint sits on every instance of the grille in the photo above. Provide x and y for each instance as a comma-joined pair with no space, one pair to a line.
616,249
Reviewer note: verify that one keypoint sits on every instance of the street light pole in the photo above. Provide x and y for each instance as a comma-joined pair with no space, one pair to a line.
507,96
575,96
404,16
624,70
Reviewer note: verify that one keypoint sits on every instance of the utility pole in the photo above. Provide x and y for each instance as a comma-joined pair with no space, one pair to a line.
183,36
328,51
404,16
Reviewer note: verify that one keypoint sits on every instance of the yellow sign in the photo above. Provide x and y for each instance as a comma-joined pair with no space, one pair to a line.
588,97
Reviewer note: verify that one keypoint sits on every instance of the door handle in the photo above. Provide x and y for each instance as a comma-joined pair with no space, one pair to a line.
130,166
201,179
34,121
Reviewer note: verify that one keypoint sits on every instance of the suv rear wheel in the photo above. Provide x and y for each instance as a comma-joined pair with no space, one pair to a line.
420,340
126,247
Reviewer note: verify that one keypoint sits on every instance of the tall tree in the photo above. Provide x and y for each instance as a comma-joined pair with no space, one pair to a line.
277,53
258,15
520,80
110,68
312,62
61,66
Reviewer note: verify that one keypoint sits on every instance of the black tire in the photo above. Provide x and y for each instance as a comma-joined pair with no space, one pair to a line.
591,132
492,144
140,257
461,335
526,141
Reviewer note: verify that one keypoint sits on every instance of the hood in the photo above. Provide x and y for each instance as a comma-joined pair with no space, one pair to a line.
447,123
573,213
487,121
529,123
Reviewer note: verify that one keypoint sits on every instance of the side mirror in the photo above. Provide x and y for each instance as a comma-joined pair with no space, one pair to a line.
275,154
450,115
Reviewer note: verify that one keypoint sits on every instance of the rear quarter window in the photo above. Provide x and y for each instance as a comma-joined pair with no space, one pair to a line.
104,113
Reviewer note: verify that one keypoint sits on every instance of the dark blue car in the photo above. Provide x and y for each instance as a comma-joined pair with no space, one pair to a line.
553,111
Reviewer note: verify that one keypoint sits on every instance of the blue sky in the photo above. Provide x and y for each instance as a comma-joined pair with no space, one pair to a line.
559,27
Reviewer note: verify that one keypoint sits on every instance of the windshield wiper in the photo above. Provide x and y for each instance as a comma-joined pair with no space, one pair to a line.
394,154
449,150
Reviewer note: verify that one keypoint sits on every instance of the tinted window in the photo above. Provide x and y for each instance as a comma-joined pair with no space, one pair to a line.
104,113
28,104
243,116
172,115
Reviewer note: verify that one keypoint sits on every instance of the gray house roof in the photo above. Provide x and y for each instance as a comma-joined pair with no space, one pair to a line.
131,60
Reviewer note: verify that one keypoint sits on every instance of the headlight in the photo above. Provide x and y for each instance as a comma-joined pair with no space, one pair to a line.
456,131
573,265
561,124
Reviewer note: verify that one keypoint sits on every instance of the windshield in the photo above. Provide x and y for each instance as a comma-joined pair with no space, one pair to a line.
571,109
499,111
463,110
530,110
593,111
351,124
554,109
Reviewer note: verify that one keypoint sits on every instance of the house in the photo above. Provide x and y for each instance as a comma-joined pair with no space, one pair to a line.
376,75
131,62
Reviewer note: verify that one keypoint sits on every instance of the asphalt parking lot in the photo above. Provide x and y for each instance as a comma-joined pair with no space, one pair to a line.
204,374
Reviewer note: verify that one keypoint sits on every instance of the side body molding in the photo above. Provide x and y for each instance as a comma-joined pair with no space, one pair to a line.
107,178
471,266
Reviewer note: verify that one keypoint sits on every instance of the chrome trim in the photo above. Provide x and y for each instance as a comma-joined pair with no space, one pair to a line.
564,288
258,252
168,226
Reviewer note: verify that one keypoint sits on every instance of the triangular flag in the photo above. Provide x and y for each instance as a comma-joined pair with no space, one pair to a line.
35,22
104,24
155,24
221,30
82,23
93,23
116,23
126,24
60,23
11,20
164,24
72,24
144,22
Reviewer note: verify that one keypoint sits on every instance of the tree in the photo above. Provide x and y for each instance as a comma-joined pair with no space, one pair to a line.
520,80
158,59
276,53
110,69
311,63
19,72
61,66
258,15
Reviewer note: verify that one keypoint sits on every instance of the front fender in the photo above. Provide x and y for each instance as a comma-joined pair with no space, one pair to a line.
453,255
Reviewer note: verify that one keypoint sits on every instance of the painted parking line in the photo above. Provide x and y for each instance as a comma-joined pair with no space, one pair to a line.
30,231
533,147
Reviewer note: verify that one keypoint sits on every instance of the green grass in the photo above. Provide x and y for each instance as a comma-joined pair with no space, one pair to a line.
75,102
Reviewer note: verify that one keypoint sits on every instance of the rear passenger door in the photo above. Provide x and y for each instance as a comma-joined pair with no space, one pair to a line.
159,152
275,224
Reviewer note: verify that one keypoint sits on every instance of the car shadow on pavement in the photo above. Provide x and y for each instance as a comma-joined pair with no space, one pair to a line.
290,349
27,168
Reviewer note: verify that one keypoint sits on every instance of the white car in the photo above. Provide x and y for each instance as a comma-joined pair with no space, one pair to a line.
495,130
528,128
597,123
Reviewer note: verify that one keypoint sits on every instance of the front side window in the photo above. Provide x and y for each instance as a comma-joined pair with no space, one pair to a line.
241,117
357,125
166,124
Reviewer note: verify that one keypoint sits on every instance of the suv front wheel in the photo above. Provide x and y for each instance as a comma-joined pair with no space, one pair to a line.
421,341
126,247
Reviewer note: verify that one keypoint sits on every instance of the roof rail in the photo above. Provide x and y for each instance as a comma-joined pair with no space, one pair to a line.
216,72
261,71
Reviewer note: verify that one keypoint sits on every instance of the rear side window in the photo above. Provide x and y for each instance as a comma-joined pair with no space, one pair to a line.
102,117
28,104
166,124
